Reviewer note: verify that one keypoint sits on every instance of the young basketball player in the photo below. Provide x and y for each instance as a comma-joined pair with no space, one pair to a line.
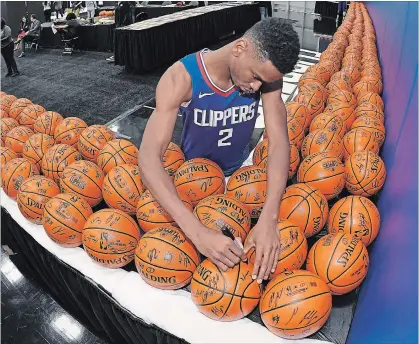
218,93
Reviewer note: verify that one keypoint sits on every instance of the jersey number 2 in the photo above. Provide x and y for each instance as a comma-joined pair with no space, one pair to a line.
227,133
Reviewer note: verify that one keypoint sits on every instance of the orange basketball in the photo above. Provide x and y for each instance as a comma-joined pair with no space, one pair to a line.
305,207
313,101
363,87
110,237
338,84
368,109
150,214
358,140
248,185
69,130
373,98
64,218
85,179
376,83
297,112
373,125
337,77
93,139
322,140
219,211
342,96
7,101
332,67
341,260
314,86
323,171
293,248
117,152
198,178
370,71
329,121
56,159
353,70
345,110
36,147
15,139
225,296
365,173
4,113
165,258
308,78
6,155
355,215
295,304
122,188
173,158
7,124
32,196
14,173
29,115
47,122
322,72
17,107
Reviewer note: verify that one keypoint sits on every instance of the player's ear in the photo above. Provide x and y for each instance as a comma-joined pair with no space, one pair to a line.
239,47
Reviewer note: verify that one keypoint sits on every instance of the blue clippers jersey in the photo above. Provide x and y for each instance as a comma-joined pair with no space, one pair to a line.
217,124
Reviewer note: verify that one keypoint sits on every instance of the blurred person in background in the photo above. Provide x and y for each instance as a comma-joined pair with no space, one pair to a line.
33,33
7,50
24,27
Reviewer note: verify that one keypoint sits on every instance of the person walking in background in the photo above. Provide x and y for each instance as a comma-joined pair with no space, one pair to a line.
7,49
47,11
33,33
91,7
58,5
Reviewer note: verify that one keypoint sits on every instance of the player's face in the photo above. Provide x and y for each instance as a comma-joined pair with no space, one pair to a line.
247,71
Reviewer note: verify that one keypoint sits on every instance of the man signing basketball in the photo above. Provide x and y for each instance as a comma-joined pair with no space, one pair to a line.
218,94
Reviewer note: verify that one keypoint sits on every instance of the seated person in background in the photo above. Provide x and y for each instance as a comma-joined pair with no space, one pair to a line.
70,29
33,33
24,27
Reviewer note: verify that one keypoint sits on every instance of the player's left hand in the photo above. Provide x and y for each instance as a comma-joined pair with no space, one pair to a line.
265,238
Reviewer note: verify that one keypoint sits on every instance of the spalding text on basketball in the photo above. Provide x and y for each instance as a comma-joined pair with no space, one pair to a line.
344,258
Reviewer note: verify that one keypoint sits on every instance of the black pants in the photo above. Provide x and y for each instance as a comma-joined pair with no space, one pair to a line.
47,15
9,58
27,39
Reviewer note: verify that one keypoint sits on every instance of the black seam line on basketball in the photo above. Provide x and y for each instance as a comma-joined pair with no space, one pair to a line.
40,158
213,302
301,243
34,193
69,190
126,216
34,212
252,182
82,137
309,209
192,260
114,189
164,268
11,174
294,302
157,222
111,230
349,284
205,178
318,179
353,172
202,206
62,223
234,292
298,328
368,213
133,156
378,172
314,257
223,292
360,251
129,175
71,204
14,138
174,162
336,213
73,169
122,252
76,128
331,256
114,153
243,293
326,157
359,182
351,214
284,279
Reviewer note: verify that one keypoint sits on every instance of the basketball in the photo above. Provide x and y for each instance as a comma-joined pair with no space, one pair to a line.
365,173
373,125
292,297
338,84
85,179
219,211
305,207
64,218
6,102
323,140
14,173
6,155
29,115
361,88
165,258
7,124
57,158
35,148
117,152
337,77
374,99
47,122
260,154
322,72
173,158
308,78
358,140
355,215
314,86
225,296
17,107
323,171
313,101
69,130
293,248
3,112
342,96
92,139
353,70
345,110
110,237
295,132
122,188
368,109
248,185
32,196
328,121
199,178
341,260
375,84
297,112
150,214
15,139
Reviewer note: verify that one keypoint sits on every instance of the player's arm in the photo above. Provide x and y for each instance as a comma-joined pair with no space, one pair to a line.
173,89
266,237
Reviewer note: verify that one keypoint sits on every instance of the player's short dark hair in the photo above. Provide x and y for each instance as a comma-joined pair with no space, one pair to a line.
33,15
71,16
276,40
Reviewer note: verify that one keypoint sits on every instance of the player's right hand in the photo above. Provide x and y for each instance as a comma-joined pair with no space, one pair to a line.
221,250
